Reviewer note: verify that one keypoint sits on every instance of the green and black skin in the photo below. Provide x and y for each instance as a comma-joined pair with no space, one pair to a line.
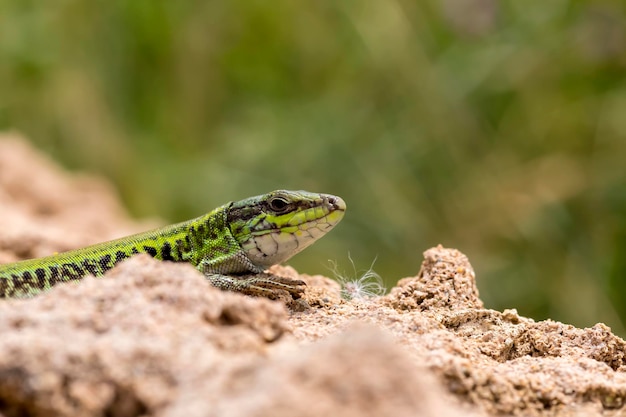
232,246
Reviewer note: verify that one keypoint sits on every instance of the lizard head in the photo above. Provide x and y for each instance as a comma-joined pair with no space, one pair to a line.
273,227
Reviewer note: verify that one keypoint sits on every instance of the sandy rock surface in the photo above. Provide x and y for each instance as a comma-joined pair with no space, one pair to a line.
155,339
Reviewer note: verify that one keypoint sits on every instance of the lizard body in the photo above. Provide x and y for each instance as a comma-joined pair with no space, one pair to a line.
232,246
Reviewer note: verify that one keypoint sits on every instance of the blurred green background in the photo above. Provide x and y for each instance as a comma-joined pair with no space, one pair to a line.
495,127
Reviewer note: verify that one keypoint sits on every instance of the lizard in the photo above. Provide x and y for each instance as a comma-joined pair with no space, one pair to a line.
232,246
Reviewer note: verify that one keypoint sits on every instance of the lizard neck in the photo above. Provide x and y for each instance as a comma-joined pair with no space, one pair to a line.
212,247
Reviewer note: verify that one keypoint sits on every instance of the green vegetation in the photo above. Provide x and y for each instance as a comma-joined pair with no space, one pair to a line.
496,127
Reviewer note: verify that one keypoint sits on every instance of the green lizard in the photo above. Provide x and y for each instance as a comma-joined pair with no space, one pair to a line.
231,246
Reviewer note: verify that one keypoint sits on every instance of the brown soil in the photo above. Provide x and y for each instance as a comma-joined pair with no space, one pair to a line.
155,339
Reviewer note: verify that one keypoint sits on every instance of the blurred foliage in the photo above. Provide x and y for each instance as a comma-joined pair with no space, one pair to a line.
496,127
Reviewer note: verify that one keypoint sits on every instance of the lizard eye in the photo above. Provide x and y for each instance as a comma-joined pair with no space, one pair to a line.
279,204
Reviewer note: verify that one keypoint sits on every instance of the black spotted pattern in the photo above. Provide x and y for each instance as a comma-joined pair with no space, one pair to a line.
150,250
105,262
90,266
166,252
184,242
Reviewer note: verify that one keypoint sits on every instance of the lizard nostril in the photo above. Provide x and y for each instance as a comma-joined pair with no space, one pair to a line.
334,202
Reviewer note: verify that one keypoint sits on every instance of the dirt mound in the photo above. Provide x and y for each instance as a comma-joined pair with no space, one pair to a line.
155,339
